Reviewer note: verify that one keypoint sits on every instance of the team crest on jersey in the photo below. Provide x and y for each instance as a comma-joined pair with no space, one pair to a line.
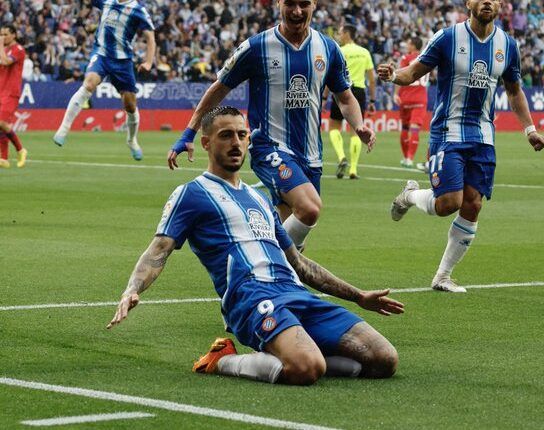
269,324
285,172
259,226
478,77
435,180
319,63
499,55
297,96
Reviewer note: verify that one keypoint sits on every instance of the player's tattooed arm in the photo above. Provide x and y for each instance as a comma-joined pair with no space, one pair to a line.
322,280
147,269
150,265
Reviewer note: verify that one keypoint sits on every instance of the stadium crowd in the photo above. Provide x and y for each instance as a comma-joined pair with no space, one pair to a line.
195,37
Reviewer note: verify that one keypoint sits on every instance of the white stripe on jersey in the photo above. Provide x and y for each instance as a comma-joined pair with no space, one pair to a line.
101,33
317,48
459,86
239,229
119,32
275,111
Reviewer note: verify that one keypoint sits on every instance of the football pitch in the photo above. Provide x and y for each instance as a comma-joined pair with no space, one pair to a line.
75,220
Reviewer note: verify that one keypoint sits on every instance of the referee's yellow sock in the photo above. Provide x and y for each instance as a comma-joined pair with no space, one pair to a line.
337,143
355,145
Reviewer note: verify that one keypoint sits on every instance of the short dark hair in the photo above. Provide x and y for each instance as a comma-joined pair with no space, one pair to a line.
10,27
417,42
209,117
351,29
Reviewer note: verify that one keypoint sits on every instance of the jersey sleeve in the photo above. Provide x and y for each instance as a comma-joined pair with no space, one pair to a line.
177,217
281,235
512,72
238,67
18,54
435,49
145,21
338,79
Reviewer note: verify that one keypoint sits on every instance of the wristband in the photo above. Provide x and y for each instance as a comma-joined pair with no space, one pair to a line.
324,98
393,77
529,130
187,137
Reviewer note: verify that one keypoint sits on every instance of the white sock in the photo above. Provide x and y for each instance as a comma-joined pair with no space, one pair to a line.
342,366
423,199
460,236
297,230
75,105
260,366
133,121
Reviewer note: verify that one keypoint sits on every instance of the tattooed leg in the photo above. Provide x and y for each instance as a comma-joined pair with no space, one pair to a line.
303,363
364,344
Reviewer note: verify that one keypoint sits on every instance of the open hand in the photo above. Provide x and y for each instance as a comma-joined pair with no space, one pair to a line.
378,302
128,302
368,136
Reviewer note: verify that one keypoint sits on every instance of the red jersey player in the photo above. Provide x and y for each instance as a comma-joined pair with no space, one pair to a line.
12,56
412,101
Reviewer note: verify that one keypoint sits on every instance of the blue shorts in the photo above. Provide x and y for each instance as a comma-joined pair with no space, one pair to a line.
259,311
454,165
120,72
280,172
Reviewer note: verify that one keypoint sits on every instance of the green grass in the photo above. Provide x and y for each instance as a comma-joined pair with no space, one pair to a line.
72,232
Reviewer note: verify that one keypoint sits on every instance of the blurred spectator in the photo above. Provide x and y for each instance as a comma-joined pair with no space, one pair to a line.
197,37
37,75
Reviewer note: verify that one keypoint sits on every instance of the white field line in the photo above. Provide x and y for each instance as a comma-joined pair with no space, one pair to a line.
216,299
199,170
162,404
85,419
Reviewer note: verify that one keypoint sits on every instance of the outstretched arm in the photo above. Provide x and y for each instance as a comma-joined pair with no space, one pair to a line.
212,97
519,105
322,280
148,268
351,111
405,75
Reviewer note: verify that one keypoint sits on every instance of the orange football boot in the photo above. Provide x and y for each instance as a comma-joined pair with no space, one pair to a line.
208,363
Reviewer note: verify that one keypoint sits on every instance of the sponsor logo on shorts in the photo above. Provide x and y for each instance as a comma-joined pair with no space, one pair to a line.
319,63
269,324
435,180
499,55
285,172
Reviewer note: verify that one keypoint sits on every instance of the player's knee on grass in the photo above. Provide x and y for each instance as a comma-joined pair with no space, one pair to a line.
380,363
303,369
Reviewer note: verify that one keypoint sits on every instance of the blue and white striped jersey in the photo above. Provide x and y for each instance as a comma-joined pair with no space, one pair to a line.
119,22
235,232
468,72
285,89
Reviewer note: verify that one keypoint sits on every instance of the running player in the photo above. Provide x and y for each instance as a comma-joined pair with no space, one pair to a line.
412,102
361,69
12,57
112,57
257,272
471,58
288,67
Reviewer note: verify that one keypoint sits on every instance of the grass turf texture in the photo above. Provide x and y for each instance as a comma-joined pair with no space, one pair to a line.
73,232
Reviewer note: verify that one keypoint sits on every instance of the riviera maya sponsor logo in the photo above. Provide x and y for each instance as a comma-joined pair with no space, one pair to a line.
478,77
259,226
297,96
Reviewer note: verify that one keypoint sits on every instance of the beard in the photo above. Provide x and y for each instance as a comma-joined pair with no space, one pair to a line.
229,167
483,18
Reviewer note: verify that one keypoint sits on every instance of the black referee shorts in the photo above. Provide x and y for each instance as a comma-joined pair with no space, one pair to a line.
359,94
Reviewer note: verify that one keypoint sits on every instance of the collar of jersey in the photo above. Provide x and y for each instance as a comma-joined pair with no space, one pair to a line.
487,39
289,44
216,178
